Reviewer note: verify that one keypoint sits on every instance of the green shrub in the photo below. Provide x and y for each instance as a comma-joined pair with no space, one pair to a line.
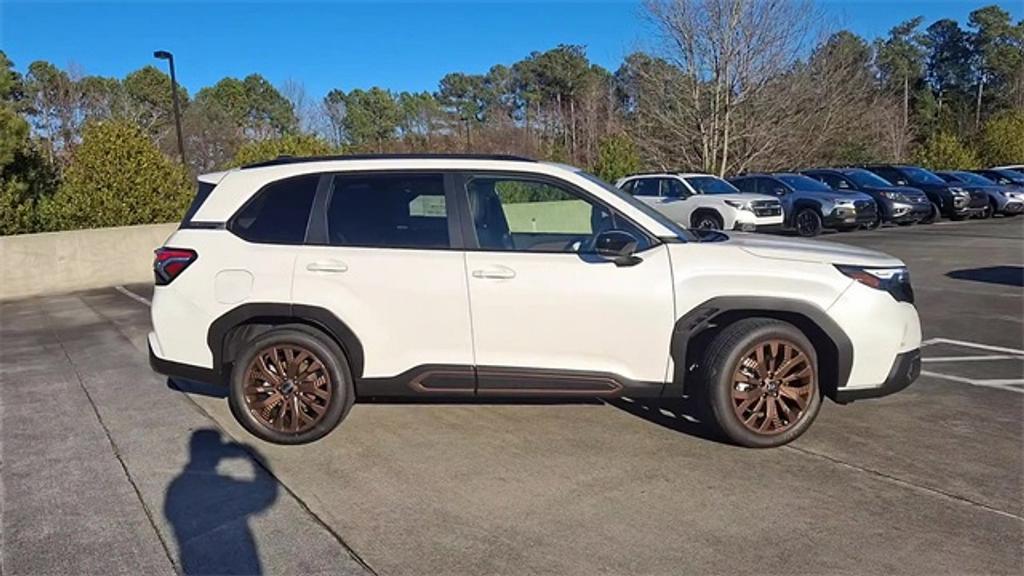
117,177
291,145
943,151
1002,140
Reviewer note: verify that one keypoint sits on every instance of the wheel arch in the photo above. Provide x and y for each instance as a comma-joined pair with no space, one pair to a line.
713,211
695,330
232,329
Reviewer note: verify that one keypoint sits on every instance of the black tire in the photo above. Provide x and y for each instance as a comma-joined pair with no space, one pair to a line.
931,218
721,362
807,222
339,384
874,224
707,220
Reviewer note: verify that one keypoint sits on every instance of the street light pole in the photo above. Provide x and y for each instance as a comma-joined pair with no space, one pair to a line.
165,55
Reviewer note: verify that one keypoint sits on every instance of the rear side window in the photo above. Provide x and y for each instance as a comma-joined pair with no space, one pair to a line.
279,213
388,211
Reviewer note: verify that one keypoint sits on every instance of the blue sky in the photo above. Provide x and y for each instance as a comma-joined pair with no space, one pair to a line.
400,46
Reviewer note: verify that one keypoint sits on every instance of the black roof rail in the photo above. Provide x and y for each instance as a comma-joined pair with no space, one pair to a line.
282,160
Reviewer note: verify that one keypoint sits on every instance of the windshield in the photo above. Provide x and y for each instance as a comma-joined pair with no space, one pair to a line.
972,178
867,179
711,185
804,183
921,175
1011,175
651,212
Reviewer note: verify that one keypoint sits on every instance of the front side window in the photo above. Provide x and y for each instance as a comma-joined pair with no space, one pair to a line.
674,188
520,214
388,211
279,213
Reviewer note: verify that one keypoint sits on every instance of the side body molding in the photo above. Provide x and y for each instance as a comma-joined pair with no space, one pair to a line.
833,347
273,313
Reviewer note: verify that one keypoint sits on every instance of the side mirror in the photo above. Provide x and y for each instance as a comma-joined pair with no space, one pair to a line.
617,246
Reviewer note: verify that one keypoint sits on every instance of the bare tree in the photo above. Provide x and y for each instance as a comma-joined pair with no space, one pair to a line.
732,52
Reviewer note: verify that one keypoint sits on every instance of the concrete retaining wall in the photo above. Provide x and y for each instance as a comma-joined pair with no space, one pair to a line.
55,262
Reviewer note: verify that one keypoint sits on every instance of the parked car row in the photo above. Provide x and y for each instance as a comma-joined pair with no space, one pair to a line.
843,198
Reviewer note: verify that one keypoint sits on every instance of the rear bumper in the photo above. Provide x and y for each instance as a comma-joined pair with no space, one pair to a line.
182,371
905,369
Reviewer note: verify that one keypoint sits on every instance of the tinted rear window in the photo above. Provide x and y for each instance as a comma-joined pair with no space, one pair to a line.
279,213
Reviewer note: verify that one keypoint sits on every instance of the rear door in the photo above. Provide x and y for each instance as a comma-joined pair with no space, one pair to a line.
389,265
549,315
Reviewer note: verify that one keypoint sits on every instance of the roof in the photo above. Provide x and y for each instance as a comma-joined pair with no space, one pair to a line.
282,160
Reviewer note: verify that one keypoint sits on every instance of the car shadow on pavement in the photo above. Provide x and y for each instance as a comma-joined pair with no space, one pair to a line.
209,504
198,388
1006,275
679,415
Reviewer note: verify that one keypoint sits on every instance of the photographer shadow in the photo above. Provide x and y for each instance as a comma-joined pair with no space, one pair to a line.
209,509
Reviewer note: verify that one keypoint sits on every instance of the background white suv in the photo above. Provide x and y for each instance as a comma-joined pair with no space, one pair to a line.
303,284
703,201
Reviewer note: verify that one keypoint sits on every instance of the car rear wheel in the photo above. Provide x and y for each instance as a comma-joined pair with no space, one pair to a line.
707,220
290,386
807,222
762,382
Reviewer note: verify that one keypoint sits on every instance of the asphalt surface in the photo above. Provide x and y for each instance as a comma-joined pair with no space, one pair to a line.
109,468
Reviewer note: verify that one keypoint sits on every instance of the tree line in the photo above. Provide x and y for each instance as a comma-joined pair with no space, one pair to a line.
729,86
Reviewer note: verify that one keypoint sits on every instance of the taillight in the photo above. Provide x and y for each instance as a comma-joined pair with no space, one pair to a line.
171,262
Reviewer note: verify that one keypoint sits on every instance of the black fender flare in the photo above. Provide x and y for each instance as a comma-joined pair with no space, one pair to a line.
703,316
276,313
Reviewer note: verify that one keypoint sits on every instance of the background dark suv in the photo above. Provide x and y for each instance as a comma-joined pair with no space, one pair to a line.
953,201
897,204
808,205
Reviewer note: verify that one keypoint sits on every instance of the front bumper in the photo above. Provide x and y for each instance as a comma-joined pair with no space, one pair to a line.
900,212
747,221
843,216
905,369
1012,206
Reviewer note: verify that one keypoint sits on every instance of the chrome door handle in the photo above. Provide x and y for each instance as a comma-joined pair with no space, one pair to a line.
327,266
496,273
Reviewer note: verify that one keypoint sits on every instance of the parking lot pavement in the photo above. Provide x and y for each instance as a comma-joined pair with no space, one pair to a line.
927,481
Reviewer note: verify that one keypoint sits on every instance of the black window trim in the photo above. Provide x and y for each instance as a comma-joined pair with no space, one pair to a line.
321,236
229,225
469,230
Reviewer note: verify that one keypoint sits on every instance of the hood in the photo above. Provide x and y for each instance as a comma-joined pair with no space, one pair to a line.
780,248
741,197
838,196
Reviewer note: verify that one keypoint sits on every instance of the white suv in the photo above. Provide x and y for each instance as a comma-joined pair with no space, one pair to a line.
704,201
303,284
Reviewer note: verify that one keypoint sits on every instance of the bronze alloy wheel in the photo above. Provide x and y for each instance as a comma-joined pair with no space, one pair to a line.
772,386
287,388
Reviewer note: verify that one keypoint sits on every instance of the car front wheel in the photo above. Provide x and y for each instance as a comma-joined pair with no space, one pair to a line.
707,221
290,386
807,222
762,382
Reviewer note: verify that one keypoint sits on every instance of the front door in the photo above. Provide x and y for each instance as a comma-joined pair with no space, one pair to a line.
550,315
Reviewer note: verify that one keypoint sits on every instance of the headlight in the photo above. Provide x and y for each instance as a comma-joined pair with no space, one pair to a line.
843,202
894,196
738,205
895,280
958,191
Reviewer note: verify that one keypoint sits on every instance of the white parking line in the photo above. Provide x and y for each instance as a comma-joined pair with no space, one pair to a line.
998,353
988,347
132,295
970,358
